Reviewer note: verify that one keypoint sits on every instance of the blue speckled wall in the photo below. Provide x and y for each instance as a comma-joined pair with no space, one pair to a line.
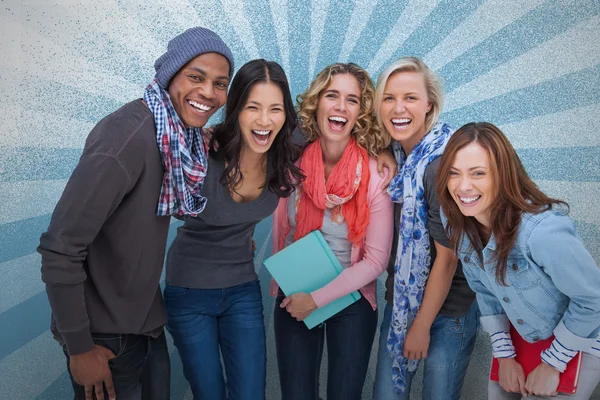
530,66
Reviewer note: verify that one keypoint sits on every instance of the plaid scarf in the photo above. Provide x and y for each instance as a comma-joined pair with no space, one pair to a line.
184,157
413,258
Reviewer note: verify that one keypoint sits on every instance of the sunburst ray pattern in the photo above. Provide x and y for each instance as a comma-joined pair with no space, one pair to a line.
530,66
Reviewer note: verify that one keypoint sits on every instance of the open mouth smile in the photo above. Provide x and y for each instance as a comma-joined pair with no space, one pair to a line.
401,123
201,108
469,201
261,136
337,123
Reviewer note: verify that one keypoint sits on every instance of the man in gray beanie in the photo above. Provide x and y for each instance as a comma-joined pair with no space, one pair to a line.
103,253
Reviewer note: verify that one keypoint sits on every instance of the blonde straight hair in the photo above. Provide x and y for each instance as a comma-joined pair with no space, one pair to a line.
433,85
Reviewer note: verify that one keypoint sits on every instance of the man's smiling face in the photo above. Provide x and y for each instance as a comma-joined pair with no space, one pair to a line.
199,89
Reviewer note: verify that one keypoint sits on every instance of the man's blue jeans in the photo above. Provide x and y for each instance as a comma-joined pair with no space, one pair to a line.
451,343
141,369
208,323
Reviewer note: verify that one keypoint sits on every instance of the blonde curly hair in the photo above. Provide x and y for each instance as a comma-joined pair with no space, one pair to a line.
366,132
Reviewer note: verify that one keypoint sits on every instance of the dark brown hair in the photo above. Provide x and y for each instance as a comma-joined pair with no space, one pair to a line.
515,193
284,173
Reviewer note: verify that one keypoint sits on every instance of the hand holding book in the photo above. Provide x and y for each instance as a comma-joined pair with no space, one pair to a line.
511,376
543,380
299,305
529,357
302,267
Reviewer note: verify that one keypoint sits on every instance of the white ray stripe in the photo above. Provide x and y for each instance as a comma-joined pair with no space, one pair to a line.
10,46
21,279
569,52
576,127
583,201
239,22
318,15
279,16
176,16
581,196
89,40
412,16
43,58
28,371
27,199
42,130
186,15
179,16
107,18
210,15
360,17
486,20
10,110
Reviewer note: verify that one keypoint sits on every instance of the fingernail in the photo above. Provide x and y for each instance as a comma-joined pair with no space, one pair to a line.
381,175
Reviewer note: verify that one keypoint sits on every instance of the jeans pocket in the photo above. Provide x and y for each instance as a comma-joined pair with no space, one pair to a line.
175,292
128,365
133,344
455,325
112,342
124,340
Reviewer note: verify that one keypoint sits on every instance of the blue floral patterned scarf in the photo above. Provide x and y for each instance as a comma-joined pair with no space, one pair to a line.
413,256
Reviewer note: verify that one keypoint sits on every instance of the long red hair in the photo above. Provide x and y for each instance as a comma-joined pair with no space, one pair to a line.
515,193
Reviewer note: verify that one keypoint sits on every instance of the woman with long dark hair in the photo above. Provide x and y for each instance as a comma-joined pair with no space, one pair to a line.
212,293
522,257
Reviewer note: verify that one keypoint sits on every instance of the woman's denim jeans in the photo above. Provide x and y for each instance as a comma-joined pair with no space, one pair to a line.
349,334
208,323
450,347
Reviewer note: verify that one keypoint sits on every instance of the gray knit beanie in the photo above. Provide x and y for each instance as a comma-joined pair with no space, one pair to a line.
185,47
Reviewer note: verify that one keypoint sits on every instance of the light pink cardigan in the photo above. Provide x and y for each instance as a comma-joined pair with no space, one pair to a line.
367,261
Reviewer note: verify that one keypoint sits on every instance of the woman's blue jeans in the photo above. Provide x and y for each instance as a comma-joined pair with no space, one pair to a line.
451,343
349,335
209,323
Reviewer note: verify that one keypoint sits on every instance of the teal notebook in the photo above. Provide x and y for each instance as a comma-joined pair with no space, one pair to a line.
306,265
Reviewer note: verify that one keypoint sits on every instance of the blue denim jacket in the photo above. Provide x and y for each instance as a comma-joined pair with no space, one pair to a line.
553,284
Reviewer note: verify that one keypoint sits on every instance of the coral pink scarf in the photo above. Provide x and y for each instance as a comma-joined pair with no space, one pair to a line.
344,191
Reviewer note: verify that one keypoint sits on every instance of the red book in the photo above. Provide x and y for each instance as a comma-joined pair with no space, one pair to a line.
529,355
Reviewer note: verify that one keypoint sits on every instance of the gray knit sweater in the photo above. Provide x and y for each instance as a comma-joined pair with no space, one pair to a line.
103,253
